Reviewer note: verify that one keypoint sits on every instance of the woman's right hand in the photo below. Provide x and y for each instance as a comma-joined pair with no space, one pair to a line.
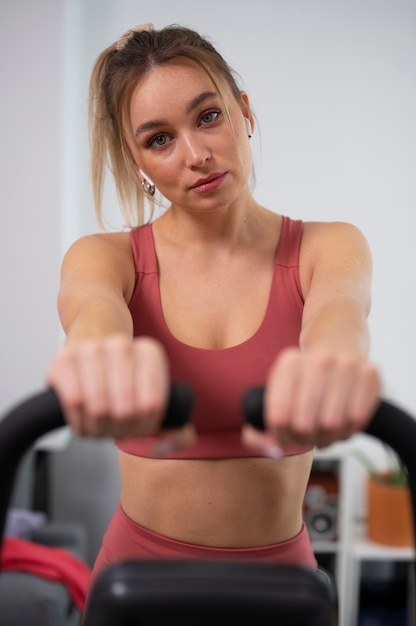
114,386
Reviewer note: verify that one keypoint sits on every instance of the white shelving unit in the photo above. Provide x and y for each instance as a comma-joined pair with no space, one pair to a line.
336,455
351,547
362,549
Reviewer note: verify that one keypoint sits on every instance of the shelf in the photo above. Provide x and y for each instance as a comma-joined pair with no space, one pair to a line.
326,547
335,451
364,549
351,548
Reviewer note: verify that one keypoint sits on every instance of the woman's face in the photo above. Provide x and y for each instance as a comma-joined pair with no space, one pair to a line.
181,138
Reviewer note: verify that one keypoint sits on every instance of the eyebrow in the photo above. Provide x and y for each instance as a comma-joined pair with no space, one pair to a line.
194,104
205,95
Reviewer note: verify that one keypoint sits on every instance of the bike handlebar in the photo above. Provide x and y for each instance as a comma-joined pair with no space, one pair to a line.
42,413
389,423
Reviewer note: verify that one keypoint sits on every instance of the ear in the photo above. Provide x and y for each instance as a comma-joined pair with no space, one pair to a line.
249,117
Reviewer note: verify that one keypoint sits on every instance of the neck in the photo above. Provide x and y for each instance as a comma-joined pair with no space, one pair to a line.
226,226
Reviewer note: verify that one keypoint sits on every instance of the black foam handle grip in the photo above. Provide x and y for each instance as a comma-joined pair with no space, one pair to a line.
178,410
42,412
381,424
253,407
179,407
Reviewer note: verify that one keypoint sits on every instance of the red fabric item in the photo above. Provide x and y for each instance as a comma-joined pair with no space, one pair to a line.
56,564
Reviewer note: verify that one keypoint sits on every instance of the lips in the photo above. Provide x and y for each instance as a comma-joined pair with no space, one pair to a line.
209,183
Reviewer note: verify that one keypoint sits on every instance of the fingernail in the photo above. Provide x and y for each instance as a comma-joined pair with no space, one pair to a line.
273,452
163,447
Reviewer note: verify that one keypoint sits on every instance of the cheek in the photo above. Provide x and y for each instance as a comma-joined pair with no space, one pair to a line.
159,169
241,155
239,142
244,148
165,173
165,177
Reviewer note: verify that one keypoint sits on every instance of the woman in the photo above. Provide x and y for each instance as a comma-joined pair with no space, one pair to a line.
219,292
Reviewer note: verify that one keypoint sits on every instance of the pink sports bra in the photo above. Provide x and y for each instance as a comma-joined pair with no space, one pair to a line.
219,378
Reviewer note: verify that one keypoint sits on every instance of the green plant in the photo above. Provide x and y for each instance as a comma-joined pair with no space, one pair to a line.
394,474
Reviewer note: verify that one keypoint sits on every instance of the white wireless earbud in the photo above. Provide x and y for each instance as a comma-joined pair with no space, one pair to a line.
248,126
148,186
145,177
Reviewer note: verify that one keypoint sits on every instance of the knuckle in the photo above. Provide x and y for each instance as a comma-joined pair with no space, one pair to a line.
122,412
303,431
96,414
357,420
147,345
347,366
94,404
329,428
151,407
277,422
322,362
300,430
372,377
118,343
90,349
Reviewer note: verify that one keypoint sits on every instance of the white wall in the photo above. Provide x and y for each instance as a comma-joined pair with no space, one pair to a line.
333,85
30,192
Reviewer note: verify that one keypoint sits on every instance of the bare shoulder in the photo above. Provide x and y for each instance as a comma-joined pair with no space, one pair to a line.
101,243
338,240
316,233
100,258
337,249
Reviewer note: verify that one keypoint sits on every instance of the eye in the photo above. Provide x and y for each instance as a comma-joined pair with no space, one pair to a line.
159,141
209,117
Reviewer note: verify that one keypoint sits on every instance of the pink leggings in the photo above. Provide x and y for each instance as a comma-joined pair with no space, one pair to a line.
125,540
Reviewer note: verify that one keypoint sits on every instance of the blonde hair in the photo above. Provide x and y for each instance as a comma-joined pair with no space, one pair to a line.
115,75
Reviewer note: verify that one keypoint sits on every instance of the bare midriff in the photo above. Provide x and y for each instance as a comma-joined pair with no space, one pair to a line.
227,503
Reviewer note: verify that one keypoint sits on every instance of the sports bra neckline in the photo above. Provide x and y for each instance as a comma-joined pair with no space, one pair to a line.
263,324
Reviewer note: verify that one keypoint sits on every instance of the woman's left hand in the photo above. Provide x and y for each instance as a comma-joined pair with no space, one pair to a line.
314,398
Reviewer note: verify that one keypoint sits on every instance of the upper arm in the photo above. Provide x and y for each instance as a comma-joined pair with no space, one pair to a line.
96,267
336,263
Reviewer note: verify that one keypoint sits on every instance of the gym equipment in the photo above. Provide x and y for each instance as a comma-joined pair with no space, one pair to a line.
41,413
182,593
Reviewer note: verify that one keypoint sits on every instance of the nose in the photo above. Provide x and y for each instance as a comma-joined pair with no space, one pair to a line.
196,151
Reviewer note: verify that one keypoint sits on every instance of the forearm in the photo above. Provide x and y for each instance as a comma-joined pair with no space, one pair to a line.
96,317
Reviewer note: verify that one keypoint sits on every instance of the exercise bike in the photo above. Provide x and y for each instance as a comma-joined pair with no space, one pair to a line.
181,593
